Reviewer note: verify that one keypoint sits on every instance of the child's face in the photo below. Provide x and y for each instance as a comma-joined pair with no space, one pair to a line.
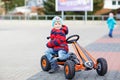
57,25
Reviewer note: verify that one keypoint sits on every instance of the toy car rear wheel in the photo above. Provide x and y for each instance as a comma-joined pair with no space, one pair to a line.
45,64
101,66
69,69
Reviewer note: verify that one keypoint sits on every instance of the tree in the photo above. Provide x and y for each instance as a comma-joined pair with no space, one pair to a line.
49,7
11,4
16,3
98,5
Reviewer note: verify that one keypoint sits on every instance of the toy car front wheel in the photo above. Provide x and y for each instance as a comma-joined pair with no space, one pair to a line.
69,69
45,64
101,66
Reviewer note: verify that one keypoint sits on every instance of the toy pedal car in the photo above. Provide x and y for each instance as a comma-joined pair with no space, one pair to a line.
80,60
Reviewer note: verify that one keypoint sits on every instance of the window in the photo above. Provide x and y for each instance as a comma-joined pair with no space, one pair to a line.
113,2
118,2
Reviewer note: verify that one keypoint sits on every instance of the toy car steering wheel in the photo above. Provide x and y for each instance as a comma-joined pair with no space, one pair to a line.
70,40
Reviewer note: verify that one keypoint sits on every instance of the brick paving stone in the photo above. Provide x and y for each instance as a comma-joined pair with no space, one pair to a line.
110,40
104,47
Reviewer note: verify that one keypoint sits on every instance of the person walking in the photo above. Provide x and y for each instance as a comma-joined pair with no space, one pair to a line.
111,22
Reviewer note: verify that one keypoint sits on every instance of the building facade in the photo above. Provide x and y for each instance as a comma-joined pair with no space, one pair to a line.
111,4
35,3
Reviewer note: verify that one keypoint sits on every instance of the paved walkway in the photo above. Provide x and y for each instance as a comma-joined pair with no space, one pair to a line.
106,47
22,43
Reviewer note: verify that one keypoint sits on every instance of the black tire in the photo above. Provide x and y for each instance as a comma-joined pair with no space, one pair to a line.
45,64
101,66
69,69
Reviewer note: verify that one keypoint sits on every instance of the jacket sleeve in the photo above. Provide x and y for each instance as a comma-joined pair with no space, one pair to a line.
114,21
108,20
49,44
65,29
52,36
55,42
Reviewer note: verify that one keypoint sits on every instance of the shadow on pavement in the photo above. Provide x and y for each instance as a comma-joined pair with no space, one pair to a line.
81,75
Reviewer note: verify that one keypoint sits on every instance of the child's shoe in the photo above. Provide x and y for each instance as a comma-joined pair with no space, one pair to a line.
54,70
110,35
54,66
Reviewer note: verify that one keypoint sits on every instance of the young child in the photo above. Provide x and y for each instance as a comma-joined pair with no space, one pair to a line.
111,23
57,44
